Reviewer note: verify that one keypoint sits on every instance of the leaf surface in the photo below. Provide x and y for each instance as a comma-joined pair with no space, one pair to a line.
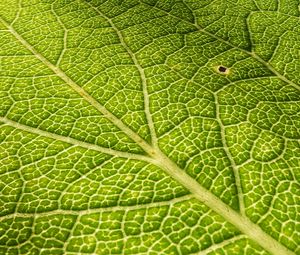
121,134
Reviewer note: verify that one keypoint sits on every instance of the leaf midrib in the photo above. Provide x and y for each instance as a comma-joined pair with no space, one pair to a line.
242,223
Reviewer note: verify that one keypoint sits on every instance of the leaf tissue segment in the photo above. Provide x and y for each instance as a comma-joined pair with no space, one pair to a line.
149,127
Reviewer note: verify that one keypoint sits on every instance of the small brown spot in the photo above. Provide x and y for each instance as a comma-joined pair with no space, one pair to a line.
222,69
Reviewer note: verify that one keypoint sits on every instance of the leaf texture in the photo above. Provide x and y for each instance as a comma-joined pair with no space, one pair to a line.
120,134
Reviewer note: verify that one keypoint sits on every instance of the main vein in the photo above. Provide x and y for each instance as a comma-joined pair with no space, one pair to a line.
246,226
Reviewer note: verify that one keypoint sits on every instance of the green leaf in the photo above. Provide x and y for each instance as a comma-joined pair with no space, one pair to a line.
149,127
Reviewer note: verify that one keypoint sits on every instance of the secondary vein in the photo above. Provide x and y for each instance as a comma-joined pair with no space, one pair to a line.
102,209
141,72
75,141
232,162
